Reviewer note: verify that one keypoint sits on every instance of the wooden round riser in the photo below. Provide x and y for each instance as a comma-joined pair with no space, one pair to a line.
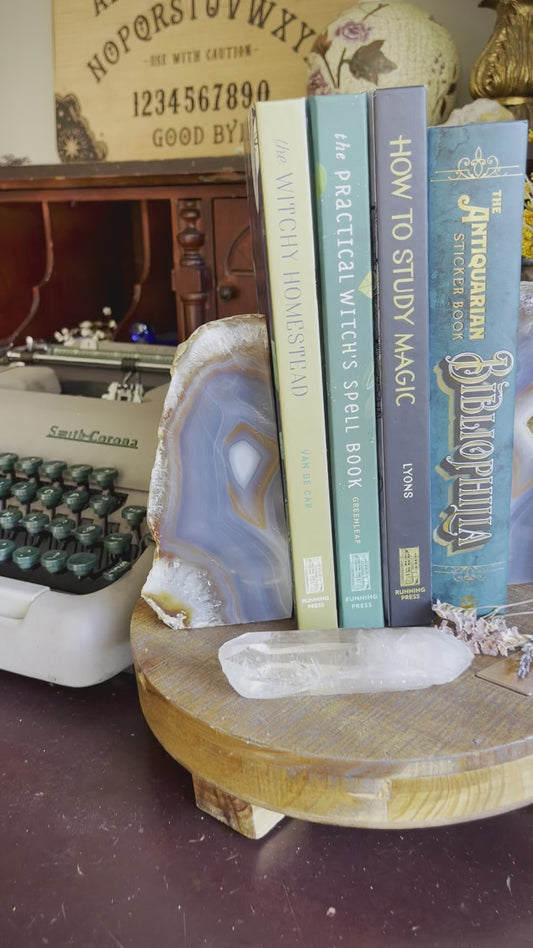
442,755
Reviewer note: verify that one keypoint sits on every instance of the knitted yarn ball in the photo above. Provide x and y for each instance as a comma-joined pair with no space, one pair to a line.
386,44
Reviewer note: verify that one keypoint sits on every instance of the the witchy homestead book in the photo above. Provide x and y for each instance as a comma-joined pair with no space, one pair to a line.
476,189
280,159
399,173
339,145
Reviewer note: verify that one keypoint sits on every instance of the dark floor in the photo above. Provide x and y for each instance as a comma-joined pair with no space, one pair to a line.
102,845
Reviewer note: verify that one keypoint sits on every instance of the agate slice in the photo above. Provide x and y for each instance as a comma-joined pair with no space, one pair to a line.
216,508
279,664
521,520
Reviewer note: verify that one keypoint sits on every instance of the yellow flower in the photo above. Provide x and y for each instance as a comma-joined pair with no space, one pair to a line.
527,220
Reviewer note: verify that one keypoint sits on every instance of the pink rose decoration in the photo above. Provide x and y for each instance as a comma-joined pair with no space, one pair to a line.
354,32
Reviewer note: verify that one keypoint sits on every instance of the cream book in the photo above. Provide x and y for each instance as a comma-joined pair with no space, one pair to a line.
282,190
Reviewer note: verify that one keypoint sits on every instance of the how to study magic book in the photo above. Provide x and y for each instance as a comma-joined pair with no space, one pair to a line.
399,175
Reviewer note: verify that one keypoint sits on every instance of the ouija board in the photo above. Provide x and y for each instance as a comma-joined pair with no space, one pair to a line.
174,79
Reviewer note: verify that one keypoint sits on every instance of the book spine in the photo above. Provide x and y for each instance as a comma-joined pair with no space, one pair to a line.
399,173
476,190
339,138
283,168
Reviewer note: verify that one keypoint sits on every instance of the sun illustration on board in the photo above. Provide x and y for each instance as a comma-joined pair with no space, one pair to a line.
70,145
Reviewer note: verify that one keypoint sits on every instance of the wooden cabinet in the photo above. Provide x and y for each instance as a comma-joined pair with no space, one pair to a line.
166,243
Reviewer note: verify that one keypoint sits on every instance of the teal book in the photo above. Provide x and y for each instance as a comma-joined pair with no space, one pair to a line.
339,145
476,190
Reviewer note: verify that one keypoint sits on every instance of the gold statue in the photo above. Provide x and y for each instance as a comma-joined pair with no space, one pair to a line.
504,70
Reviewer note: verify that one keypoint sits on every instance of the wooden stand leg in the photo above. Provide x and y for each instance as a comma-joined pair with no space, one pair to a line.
247,819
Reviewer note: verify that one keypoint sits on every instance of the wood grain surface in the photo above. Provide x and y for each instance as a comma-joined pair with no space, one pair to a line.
406,759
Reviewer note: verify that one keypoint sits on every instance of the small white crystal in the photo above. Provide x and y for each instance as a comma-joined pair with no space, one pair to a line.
276,664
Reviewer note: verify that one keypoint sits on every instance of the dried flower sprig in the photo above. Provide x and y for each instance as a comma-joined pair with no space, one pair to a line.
488,634
527,220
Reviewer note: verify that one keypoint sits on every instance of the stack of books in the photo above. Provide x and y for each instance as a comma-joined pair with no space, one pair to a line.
388,262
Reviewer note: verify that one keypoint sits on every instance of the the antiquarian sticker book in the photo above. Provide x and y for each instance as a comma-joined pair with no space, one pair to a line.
476,188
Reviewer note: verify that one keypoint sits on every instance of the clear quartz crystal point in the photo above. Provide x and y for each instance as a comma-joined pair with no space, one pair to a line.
277,664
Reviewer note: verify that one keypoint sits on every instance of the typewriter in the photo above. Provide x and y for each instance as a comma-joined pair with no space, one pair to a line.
74,476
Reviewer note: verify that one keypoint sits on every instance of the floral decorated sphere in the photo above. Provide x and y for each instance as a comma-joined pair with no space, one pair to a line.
386,44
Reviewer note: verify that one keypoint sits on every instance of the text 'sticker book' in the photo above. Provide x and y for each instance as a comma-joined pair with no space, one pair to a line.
476,190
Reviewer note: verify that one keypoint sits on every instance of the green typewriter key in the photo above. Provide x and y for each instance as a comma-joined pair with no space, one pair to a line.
112,573
50,496
134,515
10,517
79,473
62,527
24,491
117,543
105,476
30,466
76,500
54,469
35,522
7,462
104,504
26,556
82,564
5,487
54,560
6,549
88,534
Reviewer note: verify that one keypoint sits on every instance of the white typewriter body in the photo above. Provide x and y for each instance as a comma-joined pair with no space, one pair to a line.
75,640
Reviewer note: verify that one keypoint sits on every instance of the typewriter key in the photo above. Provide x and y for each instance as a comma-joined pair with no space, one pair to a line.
54,560
62,527
117,543
6,549
30,466
104,504
134,515
50,496
5,487
76,500
88,534
7,462
105,476
24,491
79,473
26,556
35,522
10,517
114,572
54,469
82,564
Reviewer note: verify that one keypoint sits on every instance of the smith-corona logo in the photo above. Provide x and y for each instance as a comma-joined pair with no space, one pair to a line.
91,437
475,388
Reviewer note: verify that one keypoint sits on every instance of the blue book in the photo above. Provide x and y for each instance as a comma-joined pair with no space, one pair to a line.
339,145
476,190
